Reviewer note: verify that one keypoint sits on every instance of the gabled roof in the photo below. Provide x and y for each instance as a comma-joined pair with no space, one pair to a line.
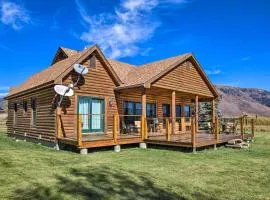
58,70
126,75
143,73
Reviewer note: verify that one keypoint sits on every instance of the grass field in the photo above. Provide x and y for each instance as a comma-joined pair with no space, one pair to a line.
30,171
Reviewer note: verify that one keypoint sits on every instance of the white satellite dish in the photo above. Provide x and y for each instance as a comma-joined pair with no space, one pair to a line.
64,90
80,69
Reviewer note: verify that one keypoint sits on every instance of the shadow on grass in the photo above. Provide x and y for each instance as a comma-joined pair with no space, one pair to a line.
97,183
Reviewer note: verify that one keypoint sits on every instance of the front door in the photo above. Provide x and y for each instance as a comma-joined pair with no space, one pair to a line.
92,111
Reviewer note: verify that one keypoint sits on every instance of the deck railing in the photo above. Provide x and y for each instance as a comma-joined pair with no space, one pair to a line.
71,126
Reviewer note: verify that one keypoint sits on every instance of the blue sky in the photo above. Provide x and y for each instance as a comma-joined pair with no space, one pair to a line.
230,38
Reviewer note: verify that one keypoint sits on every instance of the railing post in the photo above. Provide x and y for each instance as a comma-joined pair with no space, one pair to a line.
216,130
253,127
79,130
183,124
168,130
59,128
142,126
145,129
242,127
115,127
193,134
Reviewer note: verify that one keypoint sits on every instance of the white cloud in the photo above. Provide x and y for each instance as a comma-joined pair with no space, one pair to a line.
119,33
14,15
213,72
3,94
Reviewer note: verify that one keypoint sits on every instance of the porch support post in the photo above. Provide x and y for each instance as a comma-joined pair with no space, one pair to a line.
196,112
253,128
173,112
183,120
59,129
143,114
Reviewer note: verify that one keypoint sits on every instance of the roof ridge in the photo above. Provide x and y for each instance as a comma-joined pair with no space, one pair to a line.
164,59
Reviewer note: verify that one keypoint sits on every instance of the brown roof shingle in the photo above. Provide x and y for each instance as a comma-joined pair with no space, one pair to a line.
121,69
47,75
128,74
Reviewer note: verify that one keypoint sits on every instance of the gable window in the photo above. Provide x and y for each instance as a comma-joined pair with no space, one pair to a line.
92,62
25,107
151,110
34,112
15,114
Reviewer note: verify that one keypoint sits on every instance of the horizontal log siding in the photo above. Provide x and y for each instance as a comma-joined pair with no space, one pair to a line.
45,122
97,83
185,78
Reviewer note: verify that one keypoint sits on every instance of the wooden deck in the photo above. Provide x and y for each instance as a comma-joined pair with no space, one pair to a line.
102,140
180,140
184,140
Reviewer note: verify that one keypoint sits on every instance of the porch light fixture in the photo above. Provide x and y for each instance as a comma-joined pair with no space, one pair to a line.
111,100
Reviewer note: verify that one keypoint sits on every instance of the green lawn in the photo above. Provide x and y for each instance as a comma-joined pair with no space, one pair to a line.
30,171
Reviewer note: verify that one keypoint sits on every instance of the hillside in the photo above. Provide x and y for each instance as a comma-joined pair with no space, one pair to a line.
235,101
1,103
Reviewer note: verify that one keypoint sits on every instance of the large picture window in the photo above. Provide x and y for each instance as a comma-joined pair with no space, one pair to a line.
187,111
151,110
34,112
166,109
132,108
178,111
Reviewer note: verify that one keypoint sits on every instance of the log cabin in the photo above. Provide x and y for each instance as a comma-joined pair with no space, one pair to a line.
115,103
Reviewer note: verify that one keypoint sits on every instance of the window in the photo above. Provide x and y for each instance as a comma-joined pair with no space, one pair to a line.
178,111
34,112
132,108
15,113
187,111
166,110
92,62
25,107
151,110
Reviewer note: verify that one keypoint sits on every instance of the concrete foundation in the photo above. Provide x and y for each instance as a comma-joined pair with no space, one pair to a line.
83,151
194,150
117,148
143,145
57,148
215,147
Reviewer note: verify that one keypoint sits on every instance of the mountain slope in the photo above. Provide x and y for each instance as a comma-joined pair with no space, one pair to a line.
1,103
237,101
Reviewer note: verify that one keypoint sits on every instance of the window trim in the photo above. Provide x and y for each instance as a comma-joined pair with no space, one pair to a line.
33,122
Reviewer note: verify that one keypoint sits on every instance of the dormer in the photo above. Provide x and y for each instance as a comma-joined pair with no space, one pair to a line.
63,53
